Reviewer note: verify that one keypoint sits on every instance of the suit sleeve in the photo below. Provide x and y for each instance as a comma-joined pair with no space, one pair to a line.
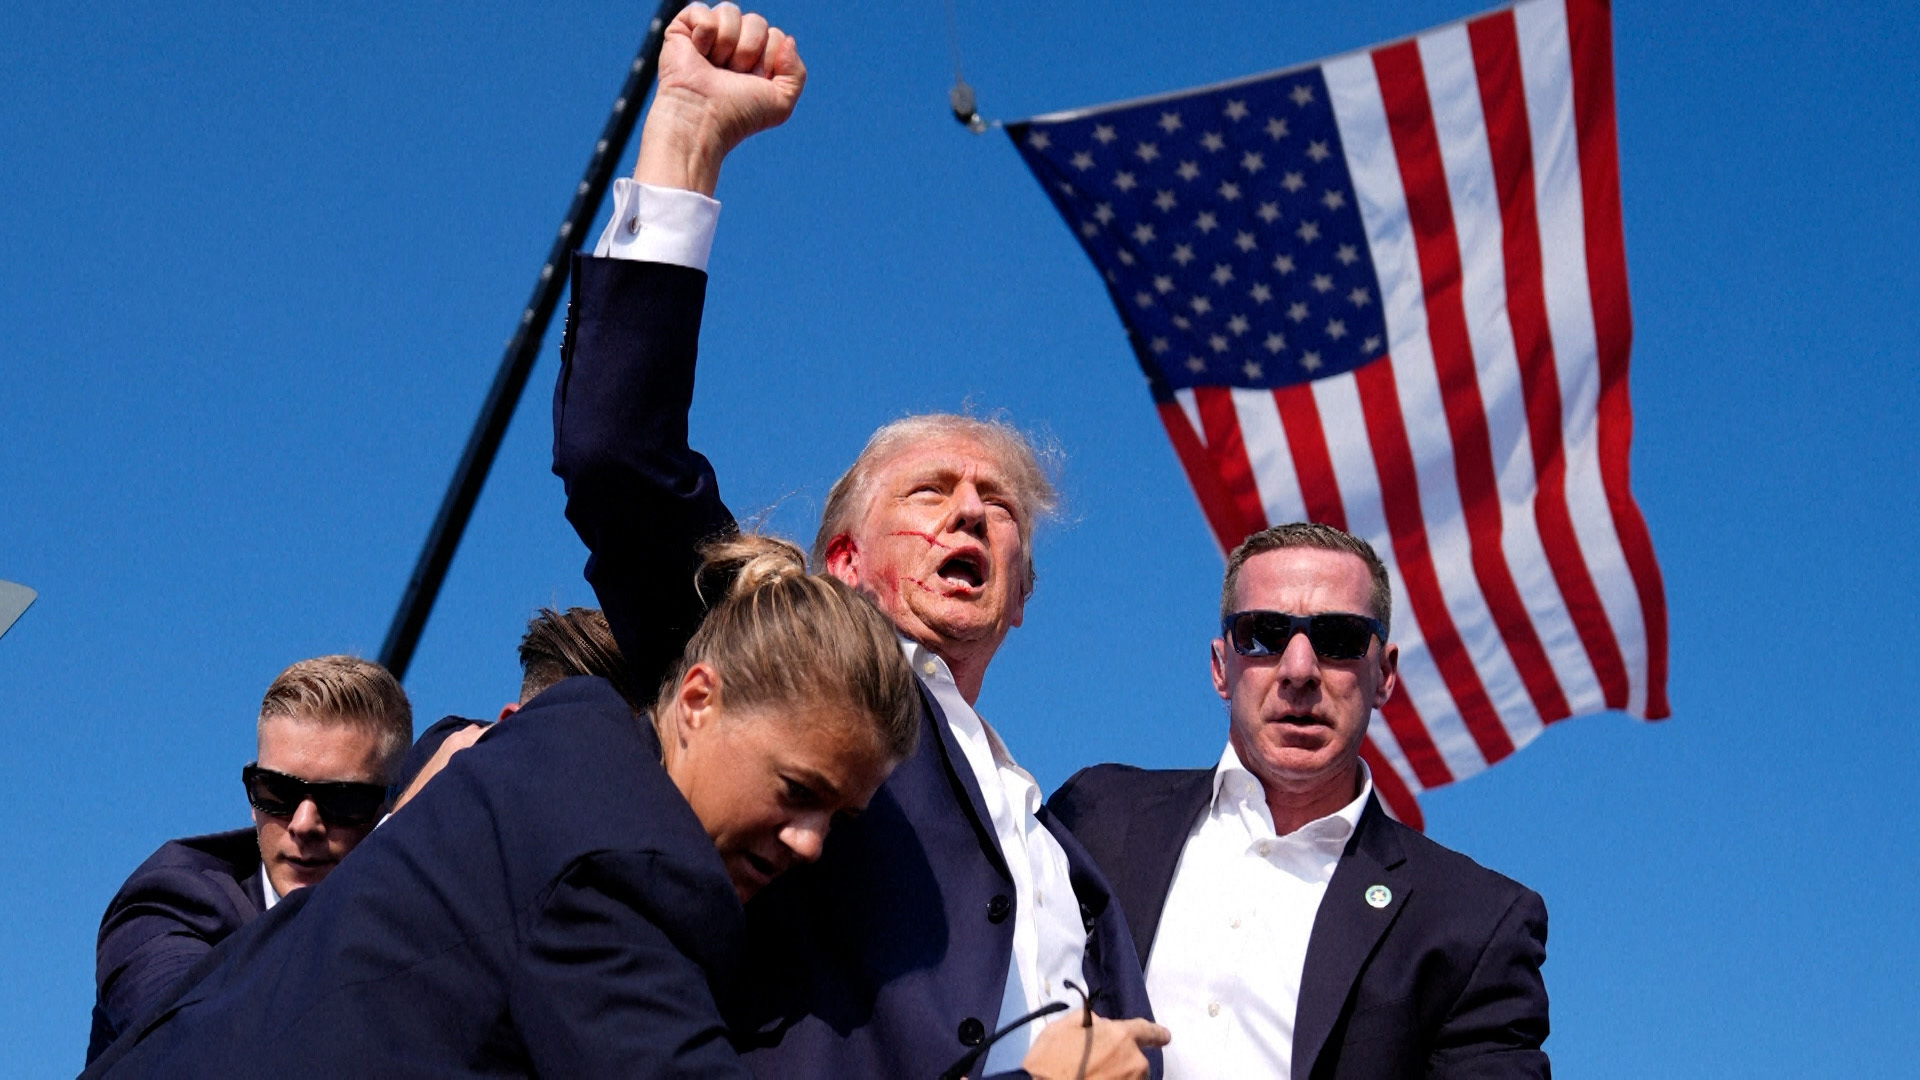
162,923
1499,1023
608,986
640,499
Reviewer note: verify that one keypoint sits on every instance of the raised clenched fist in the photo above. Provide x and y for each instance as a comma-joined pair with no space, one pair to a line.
724,76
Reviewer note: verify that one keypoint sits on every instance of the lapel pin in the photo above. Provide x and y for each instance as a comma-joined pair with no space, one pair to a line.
1379,896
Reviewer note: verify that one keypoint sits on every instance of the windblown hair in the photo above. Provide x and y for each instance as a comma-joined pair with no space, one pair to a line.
1311,534
578,641
1026,467
784,638
347,691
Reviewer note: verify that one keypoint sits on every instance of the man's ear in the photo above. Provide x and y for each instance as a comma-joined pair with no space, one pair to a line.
1389,675
1219,655
507,710
843,559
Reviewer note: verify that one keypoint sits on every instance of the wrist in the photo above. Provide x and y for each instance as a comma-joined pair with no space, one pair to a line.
680,149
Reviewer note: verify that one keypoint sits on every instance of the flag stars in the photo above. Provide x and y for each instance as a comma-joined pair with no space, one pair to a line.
1213,142
1239,325
1308,231
1124,181
1269,212
1302,95
1297,311
1293,182
1283,263
1206,222
1159,346
1310,360
1236,110
1103,213
1333,200
1103,134
1253,161
1244,241
1253,369
1360,298
1230,191
1217,343
1371,345
1083,161
1222,273
1143,234
1336,329
1162,283
1147,151
1039,140
1260,294
1181,322
1089,229
1322,283
1196,365
1169,122
1188,170
1347,255
1125,256
1183,254
1065,188
1144,299
1317,150
1275,343
1277,128
1200,305
1165,201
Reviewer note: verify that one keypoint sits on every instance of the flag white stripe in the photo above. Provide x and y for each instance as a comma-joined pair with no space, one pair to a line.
1546,67
1272,459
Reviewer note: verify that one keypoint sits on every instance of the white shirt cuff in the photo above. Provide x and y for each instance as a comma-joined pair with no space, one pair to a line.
658,224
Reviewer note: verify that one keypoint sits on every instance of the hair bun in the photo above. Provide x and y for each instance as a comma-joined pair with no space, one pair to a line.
752,561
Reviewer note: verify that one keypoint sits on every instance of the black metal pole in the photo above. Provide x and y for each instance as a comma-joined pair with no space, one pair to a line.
517,365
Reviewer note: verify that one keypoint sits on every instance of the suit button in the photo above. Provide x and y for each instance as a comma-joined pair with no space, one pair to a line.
972,1032
998,909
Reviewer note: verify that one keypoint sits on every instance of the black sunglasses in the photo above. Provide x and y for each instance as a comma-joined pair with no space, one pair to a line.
1334,635
340,802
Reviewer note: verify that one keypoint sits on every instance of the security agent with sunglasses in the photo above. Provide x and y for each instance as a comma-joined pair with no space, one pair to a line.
1292,928
331,731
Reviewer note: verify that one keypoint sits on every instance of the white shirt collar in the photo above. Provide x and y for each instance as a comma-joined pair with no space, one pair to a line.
1237,789
267,894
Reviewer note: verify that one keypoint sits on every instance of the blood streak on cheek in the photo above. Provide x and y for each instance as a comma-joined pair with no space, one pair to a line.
928,537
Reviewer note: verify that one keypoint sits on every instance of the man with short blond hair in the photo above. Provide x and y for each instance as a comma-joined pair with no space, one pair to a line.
331,732
1289,926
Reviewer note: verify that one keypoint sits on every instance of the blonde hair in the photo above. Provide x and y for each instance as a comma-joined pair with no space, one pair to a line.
1027,467
348,691
1310,534
783,638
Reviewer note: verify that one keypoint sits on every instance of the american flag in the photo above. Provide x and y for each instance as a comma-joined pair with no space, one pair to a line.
1388,292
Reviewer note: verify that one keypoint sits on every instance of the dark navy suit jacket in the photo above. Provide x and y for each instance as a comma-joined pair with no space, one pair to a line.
1443,981
888,957
184,900
549,905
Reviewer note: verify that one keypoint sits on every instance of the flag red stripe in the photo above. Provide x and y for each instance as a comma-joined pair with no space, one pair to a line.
1312,464
1400,500
1228,449
1503,101
1416,145
1392,790
1590,33
1221,513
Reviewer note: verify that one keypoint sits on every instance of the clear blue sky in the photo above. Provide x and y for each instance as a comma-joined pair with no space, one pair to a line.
257,266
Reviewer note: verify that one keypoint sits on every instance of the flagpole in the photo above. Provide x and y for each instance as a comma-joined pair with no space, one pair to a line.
403,636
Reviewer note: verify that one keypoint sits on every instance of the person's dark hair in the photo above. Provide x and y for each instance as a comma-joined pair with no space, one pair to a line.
1310,534
562,644
349,691
784,638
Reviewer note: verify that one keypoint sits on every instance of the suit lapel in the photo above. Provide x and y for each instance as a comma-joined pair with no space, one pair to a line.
1157,835
1347,929
960,772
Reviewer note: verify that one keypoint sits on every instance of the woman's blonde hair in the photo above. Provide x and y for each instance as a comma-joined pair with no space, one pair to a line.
781,637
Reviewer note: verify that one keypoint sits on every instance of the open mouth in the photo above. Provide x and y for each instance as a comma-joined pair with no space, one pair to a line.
967,568
766,870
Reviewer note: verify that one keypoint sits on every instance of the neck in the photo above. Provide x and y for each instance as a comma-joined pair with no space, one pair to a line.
1293,809
967,661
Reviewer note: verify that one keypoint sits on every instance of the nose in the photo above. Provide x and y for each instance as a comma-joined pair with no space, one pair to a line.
1299,665
969,510
806,836
306,820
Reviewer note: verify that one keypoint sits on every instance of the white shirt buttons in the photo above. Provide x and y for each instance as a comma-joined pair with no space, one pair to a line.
1213,1008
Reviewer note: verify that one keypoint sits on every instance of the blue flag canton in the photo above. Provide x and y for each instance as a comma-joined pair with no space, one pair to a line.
1226,226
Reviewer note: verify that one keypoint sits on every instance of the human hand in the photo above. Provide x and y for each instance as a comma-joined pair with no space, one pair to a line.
724,76
1110,1050
452,745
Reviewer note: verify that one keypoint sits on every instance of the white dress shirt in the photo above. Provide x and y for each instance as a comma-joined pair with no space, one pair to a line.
1224,973
670,225
267,894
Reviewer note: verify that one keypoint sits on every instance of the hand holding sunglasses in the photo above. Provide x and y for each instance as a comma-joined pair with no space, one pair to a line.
1334,635
340,802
